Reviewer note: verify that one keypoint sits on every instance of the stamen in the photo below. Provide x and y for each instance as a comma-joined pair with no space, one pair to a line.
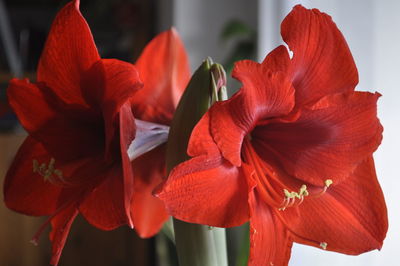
290,197
327,183
35,238
323,245
48,171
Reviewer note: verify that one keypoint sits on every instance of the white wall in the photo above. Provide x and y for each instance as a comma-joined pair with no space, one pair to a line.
200,23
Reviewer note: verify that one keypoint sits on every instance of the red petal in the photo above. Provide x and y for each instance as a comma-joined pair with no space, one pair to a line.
104,206
61,225
54,123
164,69
108,85
148,212
264,95
270,242
72,135
350,217
127,134
327,141
278,59
26,191
68,53
201,142
322,63
207,190
30,103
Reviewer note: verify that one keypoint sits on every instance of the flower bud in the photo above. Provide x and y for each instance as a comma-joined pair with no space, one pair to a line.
206,86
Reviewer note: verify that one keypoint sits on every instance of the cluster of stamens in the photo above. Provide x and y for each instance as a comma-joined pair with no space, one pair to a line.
291,197
48,172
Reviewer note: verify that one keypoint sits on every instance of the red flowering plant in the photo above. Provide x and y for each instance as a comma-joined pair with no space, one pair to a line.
96,132
291,152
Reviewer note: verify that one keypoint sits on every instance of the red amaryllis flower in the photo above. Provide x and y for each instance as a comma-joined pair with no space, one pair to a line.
87,148
291,152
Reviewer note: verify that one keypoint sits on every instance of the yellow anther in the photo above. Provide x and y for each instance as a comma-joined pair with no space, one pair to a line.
328,182
303,191
35,166
42,167
290,197
323,245
47,171
288,194
58,173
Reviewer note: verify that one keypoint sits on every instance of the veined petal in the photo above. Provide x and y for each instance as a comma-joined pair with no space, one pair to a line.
27,191
327,141
103,207
43,106
127,134
206,190
264,95
322,63
110,83
270,242
72,135
201,141
164,69
268,94
148,212
350,217
278,59
61,225
54,123
107,86
68,53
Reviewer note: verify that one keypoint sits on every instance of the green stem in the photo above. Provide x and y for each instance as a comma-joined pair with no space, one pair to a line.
220,245
197,245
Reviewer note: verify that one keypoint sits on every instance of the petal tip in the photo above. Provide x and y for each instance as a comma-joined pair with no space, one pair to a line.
76,4
158,191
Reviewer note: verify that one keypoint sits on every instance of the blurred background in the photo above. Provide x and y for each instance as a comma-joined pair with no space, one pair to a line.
226,30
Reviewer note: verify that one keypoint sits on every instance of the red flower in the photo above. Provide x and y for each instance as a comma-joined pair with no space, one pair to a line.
82,119
291,152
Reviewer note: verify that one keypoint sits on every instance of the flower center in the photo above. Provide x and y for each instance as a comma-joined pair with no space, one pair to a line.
48,171
271,188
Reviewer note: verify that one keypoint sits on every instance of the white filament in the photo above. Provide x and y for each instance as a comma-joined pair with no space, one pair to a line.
148,136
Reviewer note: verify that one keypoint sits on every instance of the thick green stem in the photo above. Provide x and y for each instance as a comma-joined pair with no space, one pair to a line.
220,245
197,245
